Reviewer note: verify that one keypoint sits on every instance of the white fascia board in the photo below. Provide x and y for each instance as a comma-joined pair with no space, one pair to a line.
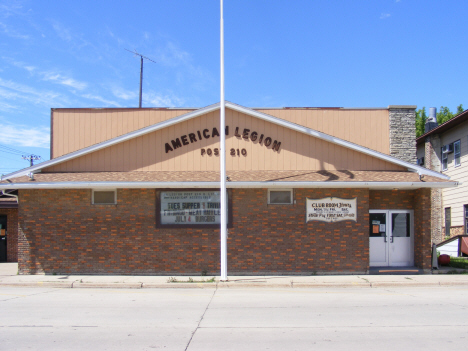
232,185
411,167
275,120
110,142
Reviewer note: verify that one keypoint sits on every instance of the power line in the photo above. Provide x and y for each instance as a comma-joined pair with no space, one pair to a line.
11,150
8,158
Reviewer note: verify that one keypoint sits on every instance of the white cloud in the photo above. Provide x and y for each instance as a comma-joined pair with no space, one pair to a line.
10,9
12,32
15,91
168,100
385,15
19,64
124,94
101,99
59,79
62,32
6,107
173,56
20,135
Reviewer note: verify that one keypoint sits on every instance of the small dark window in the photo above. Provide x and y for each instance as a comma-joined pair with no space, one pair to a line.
280,197
448,221
104,197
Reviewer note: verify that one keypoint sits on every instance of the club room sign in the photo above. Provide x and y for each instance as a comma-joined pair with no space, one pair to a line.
331,209
206,133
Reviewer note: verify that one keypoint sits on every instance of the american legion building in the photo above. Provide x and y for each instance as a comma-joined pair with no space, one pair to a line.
309,191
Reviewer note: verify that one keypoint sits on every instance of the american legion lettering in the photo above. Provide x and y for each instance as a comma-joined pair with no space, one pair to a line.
205,134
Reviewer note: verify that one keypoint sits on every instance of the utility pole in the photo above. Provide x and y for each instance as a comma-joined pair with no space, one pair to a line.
31,158
141,71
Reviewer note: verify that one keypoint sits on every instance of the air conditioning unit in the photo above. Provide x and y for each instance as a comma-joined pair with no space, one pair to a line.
447,149
421,161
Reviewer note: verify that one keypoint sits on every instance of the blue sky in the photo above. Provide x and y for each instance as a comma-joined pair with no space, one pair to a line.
321,53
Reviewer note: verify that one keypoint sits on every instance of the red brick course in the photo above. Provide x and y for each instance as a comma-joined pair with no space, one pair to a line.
12,234
61,232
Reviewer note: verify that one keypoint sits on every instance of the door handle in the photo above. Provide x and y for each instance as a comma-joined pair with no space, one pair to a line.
385,238
391,239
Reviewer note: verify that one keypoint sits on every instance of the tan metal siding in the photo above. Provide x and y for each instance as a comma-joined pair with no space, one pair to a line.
456,198
369,128
74,129
297,151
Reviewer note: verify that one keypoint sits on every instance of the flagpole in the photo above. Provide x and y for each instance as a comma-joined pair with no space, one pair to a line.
223,231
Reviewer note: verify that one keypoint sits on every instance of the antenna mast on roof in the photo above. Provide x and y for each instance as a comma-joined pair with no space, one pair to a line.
141,69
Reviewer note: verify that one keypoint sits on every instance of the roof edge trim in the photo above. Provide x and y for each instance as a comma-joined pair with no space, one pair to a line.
232,185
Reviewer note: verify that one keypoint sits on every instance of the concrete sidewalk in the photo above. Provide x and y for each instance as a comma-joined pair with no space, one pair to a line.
10,278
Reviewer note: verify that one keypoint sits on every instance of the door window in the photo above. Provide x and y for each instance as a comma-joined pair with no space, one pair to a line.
377,224
401,225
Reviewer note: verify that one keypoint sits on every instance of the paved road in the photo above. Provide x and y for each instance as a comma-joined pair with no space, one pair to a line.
234,319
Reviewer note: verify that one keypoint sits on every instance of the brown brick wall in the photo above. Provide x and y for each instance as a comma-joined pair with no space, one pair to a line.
12,234
422,229
276,238
62,232
391,200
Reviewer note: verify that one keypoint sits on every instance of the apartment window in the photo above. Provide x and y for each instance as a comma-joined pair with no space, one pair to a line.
465,211
457,152
104,197
448,221
444,159
280,197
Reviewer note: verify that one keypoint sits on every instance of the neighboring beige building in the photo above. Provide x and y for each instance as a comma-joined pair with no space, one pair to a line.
445,149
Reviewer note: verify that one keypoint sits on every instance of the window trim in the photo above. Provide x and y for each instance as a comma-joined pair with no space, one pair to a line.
455,153
102,190
286,203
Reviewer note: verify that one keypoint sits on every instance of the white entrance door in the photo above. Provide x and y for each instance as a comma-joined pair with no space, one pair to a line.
391,238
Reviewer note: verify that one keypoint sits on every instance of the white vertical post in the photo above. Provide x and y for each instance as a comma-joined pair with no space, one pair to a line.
223,231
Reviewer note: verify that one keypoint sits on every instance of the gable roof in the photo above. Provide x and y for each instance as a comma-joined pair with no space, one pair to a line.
451,123
236,179
193,114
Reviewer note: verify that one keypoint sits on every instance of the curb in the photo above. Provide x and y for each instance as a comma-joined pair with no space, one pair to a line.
62,285
230,284
80,285
404,284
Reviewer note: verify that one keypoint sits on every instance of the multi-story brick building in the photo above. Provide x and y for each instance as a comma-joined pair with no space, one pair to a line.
310,190
444,149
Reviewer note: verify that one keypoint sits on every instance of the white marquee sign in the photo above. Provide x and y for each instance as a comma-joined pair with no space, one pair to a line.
331,209
190,207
